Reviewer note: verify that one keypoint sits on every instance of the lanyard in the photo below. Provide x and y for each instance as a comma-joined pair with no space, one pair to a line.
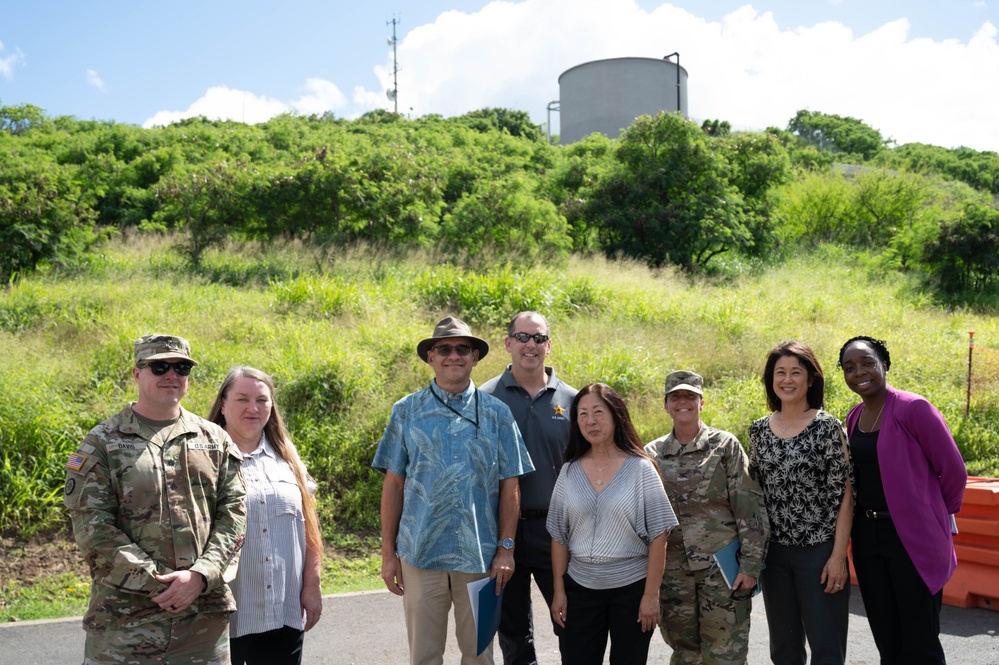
456,411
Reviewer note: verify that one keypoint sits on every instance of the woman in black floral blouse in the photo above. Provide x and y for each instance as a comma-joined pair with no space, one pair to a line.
798,456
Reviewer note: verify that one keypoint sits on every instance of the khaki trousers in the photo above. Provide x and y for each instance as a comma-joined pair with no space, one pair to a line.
428,597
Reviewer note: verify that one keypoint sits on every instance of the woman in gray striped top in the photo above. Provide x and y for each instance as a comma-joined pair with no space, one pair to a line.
609,518
278,596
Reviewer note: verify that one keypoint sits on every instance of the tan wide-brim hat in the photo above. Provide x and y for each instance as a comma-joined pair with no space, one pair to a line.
451,326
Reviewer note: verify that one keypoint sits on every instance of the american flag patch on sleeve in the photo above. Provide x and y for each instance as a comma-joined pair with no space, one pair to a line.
76,462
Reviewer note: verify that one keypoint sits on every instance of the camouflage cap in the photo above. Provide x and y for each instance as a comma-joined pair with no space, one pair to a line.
162,347
684,380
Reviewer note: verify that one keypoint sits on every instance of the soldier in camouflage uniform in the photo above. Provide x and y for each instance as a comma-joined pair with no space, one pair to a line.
706,473
156,499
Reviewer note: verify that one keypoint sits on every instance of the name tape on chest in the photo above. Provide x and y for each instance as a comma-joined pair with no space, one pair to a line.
204,445
124,445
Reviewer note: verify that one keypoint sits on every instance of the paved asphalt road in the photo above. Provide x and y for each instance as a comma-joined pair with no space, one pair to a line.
367,629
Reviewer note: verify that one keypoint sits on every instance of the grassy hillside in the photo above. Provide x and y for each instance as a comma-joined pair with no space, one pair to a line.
338,333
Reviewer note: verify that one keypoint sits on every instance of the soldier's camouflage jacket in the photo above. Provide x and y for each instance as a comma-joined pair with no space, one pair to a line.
145,500
708,484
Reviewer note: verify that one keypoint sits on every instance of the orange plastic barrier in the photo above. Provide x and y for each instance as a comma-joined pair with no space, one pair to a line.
976,581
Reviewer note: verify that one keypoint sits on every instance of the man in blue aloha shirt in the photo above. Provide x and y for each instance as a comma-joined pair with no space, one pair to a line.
451,498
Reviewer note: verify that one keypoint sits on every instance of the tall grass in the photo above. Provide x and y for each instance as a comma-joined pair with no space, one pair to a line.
338,332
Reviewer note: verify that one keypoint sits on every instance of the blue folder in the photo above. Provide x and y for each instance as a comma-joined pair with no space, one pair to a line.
486,608
727,560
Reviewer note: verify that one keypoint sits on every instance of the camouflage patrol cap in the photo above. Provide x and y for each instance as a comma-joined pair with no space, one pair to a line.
684,380
162,347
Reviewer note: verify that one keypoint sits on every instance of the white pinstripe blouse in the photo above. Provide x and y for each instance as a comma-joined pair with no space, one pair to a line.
608,532
268,584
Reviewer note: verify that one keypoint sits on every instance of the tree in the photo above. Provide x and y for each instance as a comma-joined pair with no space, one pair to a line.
504,216
45,213
716,127
965,255
871,207
210,203
517,123
815,208
668,199
758,163
883,204
836,133
980,169
18,119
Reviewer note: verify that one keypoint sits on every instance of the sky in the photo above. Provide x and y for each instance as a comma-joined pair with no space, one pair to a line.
917,70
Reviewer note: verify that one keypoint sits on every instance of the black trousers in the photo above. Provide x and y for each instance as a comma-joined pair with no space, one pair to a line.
275,647
904,616
798,608
593,613
532,556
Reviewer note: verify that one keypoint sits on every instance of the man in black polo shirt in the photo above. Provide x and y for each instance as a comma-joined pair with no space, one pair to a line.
540,404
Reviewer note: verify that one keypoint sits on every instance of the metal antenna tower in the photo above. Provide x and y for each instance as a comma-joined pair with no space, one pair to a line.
393,94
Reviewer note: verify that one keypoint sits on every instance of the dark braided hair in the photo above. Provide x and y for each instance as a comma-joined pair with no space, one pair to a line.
879,345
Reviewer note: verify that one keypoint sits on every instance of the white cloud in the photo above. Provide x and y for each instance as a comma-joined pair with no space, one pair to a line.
224,103
321,96
95,80
7,64
745,68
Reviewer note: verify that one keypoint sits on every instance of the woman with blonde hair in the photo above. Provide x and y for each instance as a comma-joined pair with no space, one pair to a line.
277,588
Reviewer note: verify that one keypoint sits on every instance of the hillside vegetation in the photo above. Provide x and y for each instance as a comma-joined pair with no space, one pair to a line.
338,332
667,193
321,250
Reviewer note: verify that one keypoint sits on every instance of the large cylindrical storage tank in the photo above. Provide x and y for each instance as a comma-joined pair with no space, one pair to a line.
607,95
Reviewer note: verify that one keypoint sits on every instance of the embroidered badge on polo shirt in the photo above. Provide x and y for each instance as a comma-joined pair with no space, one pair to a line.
76,462
559,411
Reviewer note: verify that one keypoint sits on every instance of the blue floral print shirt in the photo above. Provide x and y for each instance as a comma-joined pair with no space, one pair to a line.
452,450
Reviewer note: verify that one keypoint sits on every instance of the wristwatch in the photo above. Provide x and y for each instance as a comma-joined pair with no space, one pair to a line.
506,543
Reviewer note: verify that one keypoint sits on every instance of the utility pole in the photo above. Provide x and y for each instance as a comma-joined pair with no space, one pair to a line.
393,94
971,350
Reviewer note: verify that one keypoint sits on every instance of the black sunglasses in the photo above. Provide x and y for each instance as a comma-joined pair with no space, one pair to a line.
523,338
446,349
161,367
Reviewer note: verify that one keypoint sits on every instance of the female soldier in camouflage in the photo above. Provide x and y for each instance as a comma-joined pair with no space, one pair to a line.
706,473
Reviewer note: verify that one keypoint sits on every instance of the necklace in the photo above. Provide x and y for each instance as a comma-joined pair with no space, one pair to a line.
876,420
783,427
599,470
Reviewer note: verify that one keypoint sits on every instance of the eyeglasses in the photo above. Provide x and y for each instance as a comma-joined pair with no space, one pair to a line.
523,338
161,367
446,349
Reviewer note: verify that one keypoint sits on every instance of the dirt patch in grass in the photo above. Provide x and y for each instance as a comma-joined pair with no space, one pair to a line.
27,559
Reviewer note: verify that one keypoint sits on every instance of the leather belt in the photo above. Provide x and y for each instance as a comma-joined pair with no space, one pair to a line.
876,514
534,514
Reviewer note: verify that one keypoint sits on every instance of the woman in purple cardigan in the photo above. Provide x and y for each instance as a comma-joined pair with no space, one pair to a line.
910,480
